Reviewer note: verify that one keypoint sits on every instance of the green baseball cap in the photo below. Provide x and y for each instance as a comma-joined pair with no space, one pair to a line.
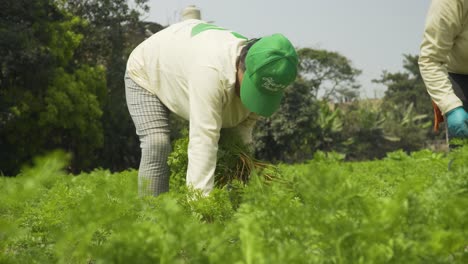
271,65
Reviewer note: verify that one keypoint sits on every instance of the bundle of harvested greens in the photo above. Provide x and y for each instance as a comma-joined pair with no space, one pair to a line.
235,161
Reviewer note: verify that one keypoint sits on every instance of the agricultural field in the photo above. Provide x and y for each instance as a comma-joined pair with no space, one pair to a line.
401,209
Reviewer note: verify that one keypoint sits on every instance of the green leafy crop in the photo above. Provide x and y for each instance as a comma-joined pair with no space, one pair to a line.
234,165
405,208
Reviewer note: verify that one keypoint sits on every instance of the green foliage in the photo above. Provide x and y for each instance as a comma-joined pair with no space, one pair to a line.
288,133
303,123
178,162
41,86
73,113
407,106
363,131
234,165
61,81
407,208
407,129
112,30
62,63
373,130
53,217
401,120
330,122
330,74
404,88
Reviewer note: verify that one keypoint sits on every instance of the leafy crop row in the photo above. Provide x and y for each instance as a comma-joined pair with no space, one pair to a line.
402,209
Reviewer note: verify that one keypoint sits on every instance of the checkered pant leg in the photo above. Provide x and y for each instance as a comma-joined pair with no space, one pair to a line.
151,119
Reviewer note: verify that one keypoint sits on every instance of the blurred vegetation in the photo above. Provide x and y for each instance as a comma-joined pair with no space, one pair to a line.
405,208
61,81
61,87
338,120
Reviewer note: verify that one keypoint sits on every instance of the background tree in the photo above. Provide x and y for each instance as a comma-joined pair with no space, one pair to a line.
112,30
61,86
286,135
407,87
47,101
400,120
296,130
61,81
330,124
363,131
407,107
330,75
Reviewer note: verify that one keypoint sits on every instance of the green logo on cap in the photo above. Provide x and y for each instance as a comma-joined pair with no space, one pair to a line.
269,84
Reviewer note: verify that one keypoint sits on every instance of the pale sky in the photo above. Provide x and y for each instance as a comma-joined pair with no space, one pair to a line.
373,34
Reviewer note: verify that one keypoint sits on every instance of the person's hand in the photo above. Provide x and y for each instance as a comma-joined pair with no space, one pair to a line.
457,122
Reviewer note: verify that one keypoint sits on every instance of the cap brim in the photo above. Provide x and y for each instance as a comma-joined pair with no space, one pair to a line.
264,104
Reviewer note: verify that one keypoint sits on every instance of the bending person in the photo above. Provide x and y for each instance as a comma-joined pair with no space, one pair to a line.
210,76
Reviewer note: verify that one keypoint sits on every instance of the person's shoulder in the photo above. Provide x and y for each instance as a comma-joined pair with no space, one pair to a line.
183,26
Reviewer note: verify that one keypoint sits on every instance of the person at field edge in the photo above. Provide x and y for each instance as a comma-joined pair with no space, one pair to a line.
443,63
212,77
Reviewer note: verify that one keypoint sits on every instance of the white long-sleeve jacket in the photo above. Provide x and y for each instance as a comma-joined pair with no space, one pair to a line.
194,73
444,49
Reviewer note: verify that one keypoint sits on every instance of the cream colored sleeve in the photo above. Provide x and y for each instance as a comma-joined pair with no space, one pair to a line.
204,128
443,23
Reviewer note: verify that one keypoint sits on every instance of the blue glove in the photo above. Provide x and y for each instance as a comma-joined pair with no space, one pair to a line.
457,122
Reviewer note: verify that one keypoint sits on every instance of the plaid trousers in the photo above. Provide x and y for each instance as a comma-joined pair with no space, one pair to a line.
151,119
